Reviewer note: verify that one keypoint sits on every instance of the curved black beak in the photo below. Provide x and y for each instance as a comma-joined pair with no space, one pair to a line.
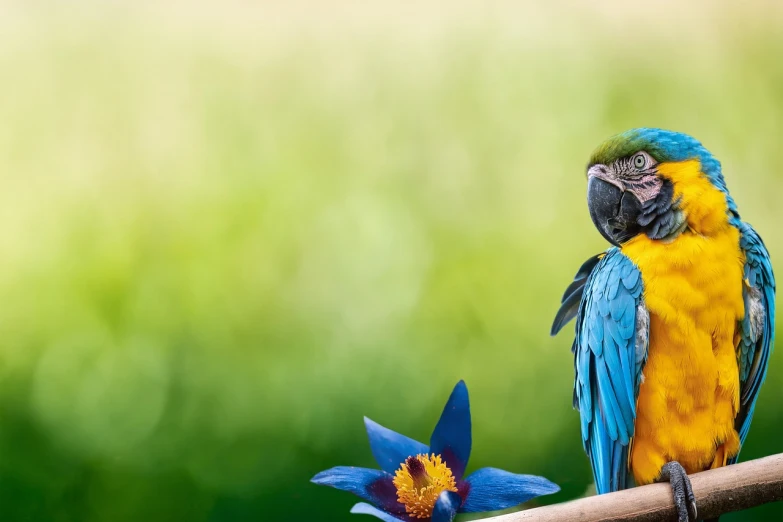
614,212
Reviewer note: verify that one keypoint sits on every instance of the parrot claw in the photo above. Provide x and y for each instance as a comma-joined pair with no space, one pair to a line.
684,499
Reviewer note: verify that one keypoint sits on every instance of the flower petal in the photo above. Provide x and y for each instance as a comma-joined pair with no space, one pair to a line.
446,507
492,489
451,438
372,485
389,448
366,509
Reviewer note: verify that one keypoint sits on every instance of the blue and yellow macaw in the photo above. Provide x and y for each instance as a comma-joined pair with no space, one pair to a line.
674,323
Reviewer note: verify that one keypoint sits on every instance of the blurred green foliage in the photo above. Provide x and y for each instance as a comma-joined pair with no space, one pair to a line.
228,233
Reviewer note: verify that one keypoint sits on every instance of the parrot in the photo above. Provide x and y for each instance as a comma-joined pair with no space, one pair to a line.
675,321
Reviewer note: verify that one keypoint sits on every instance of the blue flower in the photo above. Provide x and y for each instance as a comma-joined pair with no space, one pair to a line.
420,482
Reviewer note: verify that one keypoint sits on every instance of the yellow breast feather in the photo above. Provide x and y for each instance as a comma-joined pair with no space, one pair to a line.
689,396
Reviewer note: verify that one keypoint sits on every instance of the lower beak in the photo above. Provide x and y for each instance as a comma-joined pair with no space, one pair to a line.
613,211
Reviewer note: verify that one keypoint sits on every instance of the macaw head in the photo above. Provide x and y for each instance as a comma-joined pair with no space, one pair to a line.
655,182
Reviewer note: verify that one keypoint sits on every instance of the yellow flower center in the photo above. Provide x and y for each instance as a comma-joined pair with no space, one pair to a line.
419,482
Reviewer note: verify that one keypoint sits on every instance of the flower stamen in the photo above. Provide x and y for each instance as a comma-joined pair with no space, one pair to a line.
419,482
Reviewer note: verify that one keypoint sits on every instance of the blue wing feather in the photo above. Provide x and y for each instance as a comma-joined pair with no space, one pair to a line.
608,366
757,329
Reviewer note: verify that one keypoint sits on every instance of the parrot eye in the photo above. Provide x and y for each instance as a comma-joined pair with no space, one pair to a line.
639,161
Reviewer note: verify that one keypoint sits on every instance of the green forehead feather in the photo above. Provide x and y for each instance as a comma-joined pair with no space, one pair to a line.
624,145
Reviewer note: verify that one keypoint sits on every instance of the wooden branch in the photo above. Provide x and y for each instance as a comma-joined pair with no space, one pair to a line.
717,491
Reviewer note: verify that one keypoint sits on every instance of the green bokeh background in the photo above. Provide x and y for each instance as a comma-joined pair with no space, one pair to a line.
230,230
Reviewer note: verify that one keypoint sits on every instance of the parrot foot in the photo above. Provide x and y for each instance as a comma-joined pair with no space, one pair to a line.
684,499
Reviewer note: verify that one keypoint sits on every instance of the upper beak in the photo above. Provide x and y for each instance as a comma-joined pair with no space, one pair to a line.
613,209
603,201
